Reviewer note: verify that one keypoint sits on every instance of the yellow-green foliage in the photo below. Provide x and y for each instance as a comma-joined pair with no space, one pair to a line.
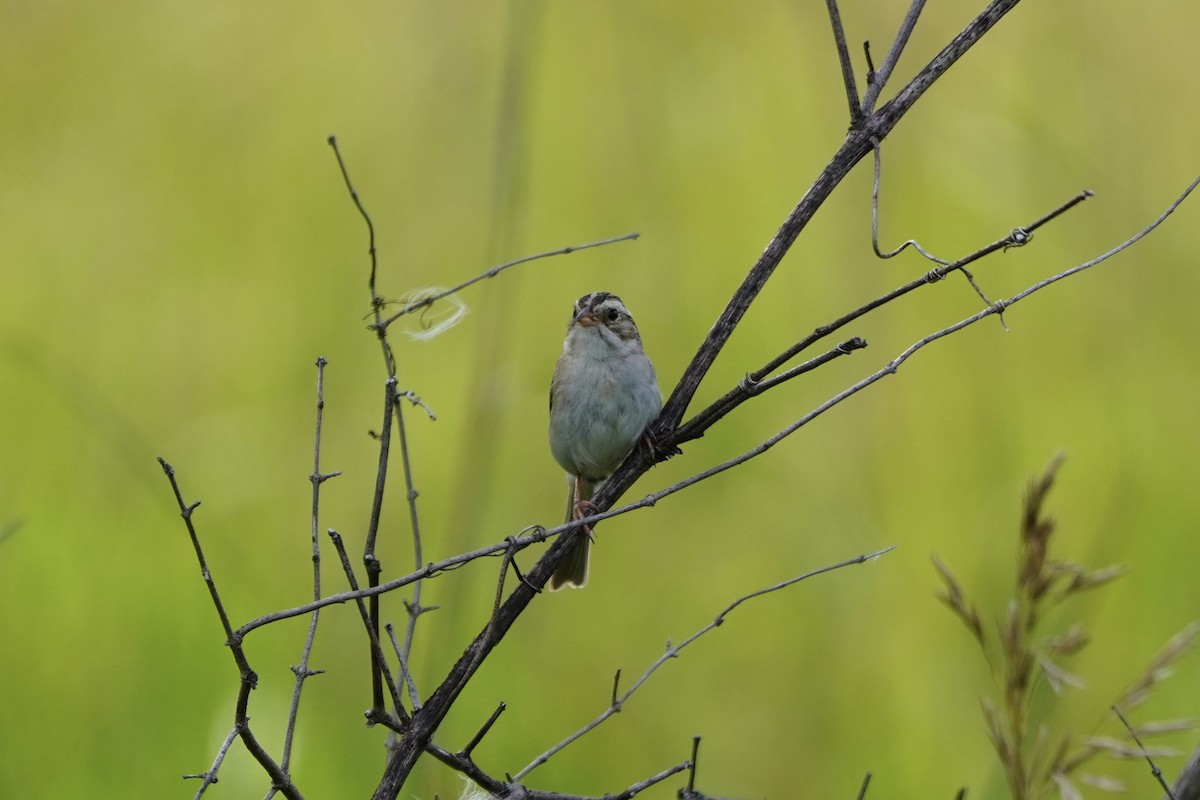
176,249
1041,754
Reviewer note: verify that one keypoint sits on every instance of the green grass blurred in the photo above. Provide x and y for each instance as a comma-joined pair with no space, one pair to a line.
178,249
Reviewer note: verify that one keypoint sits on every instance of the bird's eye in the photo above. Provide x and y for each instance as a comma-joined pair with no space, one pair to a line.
612,315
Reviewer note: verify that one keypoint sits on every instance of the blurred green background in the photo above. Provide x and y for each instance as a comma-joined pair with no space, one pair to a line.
178,249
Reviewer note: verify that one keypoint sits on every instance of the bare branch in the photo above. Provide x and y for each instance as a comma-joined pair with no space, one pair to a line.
210,777
862,791
1018,237
415,609
843,51
643,785
332,140
249,679
186,511
673,651
406,676
317,478
509,789
429,570
752,386
377,302
372,633
857,144
690,792
893,56
1119,248
483,730
691,786
370,561
937,67
425,302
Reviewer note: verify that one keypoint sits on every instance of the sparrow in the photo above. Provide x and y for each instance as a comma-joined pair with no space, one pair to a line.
603,396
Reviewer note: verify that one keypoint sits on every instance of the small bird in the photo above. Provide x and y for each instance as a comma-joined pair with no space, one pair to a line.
603,395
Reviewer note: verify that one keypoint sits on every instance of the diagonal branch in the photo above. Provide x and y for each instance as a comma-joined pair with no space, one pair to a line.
856,146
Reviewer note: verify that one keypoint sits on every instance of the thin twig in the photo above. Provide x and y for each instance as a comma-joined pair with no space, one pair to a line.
1114,251
372,633
428,571
1154,770
470,770
210,777
752,386
332,140
377,302
1018,237
862,792
498,788
483,730
643,785
758,381
405,675
317,478
673,651
933,276
492,272
695,760
862,789
249,679
370,560
893,56
415,609
186,511
843,51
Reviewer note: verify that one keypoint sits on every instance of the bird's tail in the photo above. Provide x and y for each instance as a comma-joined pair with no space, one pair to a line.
573,569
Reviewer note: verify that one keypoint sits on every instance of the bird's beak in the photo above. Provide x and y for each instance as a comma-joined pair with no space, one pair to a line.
586,318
